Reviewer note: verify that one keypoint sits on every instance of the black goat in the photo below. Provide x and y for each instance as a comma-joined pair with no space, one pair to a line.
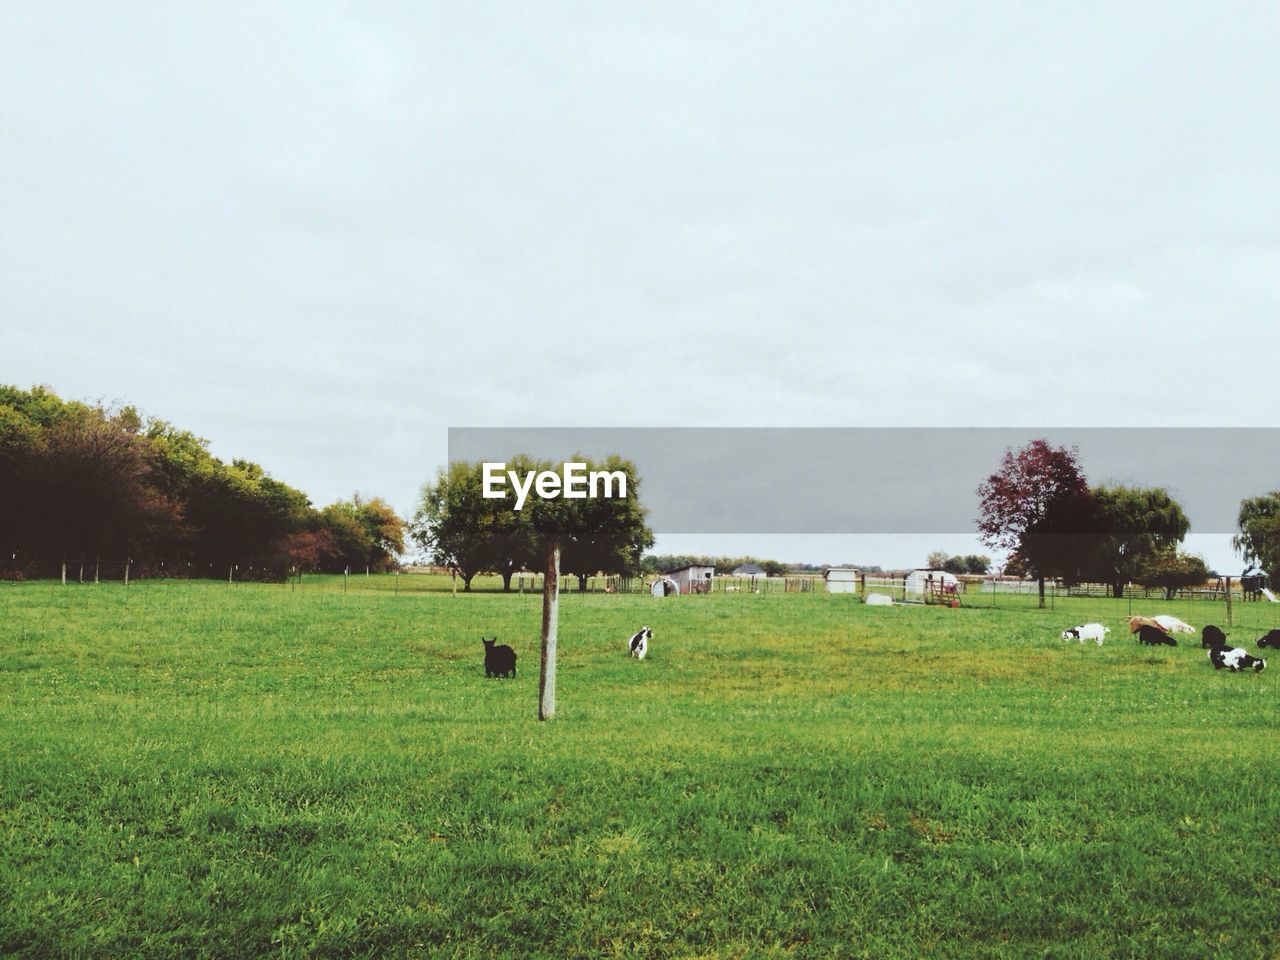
1213,636
1152,636
498,661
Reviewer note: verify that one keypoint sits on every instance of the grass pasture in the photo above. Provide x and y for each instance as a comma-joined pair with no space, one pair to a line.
204,770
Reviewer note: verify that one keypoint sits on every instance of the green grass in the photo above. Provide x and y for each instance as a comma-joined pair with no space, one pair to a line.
204,770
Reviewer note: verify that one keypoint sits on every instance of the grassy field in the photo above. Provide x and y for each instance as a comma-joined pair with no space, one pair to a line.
204,770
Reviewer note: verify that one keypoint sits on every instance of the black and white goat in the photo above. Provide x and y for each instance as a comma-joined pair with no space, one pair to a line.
638,645
1237,658
1087,631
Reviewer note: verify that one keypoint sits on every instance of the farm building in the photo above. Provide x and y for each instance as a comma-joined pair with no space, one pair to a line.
749,570
693,578
841,580
921,582
664,587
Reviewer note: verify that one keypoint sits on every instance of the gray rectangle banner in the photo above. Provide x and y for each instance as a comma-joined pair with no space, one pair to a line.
885,479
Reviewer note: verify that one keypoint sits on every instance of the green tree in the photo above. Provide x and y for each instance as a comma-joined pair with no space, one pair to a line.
366,533
513,543
1173,570
600,535
385,529
92,492
81,480
1259,538
347,542
453,521
1139,523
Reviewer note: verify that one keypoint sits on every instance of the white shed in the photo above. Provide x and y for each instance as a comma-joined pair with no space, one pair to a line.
664,587
922,582
841,580
693,578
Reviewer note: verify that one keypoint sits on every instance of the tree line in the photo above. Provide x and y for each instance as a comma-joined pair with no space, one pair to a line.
970,563
85,481
724,566
1040,508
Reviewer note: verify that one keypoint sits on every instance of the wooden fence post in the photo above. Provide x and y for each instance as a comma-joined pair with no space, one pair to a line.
550,621
1228,601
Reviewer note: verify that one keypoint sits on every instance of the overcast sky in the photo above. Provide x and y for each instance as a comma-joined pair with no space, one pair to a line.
319,235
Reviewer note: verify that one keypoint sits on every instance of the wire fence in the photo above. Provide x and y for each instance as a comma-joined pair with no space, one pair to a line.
1225,605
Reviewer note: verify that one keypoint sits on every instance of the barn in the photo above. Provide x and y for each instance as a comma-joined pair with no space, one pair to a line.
750,570
841,580
693,578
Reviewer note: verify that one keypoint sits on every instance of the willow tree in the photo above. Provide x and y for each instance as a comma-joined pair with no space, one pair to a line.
1259,538
1141,523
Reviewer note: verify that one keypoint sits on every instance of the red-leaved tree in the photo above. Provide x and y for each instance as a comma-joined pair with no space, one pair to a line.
1038,506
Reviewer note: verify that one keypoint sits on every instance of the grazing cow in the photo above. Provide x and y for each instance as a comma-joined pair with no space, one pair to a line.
1270,639
1087,631
638,645
1154,635
1213,637
1173,624
1237,658
1136,622
498,661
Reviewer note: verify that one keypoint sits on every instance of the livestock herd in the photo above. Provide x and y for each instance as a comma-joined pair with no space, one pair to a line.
500,661
1159,630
